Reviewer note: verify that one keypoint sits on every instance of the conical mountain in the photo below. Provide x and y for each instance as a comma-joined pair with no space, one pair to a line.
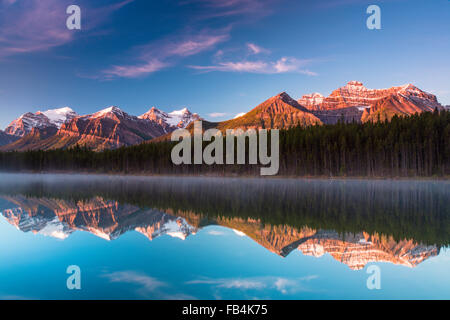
277,112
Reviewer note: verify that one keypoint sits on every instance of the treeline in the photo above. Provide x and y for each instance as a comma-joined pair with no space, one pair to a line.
417,145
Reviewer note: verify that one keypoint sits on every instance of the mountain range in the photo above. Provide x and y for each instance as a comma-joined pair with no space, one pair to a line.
109,220
113,128
109,128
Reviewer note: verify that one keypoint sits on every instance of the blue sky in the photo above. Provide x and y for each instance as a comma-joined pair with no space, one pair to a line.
216,57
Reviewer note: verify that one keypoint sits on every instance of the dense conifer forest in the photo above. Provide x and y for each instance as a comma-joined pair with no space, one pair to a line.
413,146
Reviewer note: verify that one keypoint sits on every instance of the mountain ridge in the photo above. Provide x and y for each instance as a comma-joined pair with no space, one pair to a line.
113,128
354,101
109,128
278,112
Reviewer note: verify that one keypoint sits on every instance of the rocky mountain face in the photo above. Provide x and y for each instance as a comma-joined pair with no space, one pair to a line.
310,101
333,116
34,138
355,94
277,112
26,122
397,104
354,250
6,138
41,120
357,250
353,102
354,99
109,220
107,129
280,111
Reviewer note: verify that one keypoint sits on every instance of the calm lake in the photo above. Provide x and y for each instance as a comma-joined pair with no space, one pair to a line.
223,238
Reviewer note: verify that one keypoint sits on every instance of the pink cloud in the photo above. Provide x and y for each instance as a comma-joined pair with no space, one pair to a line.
338,3
255,49
36,25
283,65
170,50
134,71
195,45
228,8
161,54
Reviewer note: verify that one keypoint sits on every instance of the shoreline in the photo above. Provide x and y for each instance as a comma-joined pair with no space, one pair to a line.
231,176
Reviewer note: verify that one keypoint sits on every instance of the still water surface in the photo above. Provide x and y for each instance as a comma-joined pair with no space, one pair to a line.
222,238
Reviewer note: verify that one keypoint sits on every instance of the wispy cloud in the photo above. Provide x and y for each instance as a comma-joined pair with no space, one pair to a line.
147,286
286,286
339,3
231,8
147,283
282,65
8,1
281,284
39,25
13,296
135,71
255,49
162,54
36,25
217,115
232,283
195,45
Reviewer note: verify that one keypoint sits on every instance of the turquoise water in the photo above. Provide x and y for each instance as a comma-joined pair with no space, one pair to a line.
211,238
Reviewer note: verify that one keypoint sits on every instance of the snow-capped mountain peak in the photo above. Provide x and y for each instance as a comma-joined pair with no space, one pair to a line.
50,118
181,118
59,116
410,89
175,119
179,112
112,110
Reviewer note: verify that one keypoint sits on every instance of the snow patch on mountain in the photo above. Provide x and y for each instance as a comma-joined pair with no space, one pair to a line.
311,99
168,225
56,229
178,228
59,116
239,115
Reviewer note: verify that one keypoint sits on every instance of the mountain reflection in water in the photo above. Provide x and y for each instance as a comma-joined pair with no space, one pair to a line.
356,222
